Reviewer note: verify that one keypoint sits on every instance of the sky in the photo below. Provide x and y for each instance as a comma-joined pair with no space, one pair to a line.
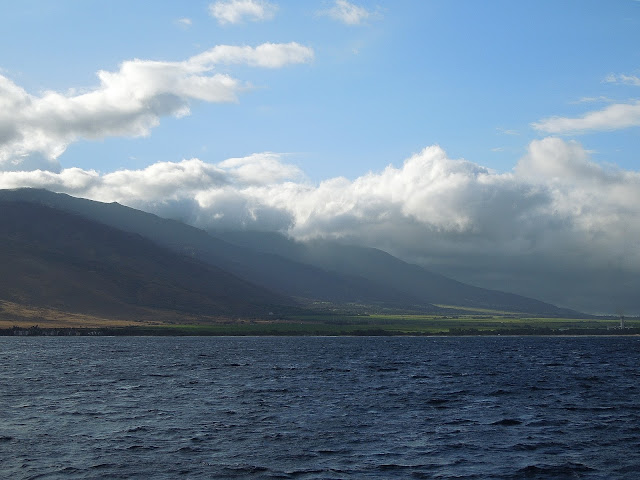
495,142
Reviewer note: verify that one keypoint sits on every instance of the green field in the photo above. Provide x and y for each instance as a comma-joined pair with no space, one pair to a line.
486,323
459,321
329,324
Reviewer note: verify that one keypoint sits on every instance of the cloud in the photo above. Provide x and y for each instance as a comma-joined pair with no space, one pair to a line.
505,131
237,11
599,99
36,130
348,13
267,55
260,169
184,22
559,226
613,117
623,79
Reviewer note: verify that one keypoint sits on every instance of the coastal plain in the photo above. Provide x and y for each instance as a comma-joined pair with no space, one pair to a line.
51,321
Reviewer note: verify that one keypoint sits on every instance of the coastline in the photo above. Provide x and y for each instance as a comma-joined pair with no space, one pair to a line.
235,330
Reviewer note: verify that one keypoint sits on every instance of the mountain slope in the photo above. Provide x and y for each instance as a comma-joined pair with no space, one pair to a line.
385,270
274,272
319,270
53,258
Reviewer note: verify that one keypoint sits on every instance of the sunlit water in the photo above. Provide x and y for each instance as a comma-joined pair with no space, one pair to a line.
319,408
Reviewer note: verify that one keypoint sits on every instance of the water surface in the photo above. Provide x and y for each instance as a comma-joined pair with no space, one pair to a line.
319,408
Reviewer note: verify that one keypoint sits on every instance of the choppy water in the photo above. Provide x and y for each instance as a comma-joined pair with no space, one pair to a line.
319,408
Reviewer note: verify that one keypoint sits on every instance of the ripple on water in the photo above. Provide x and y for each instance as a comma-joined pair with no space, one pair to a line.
320,408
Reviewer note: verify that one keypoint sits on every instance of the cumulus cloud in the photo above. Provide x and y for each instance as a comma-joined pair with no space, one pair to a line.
36,130
602,204
237,11
260,169
613,117
560,226
348,13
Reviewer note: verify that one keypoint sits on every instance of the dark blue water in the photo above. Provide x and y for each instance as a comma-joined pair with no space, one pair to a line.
319,408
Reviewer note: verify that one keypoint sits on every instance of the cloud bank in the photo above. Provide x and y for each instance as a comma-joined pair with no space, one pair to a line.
36,130
559,226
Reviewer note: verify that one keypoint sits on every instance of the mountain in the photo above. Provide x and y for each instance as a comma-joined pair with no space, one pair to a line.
320,270
53,258
385,270
273,272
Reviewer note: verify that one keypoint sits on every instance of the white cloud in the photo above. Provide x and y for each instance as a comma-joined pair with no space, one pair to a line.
452,197
184,22
553,159
260,169
237,11
267,55
36,130
348,13
560,226
613,117
624,79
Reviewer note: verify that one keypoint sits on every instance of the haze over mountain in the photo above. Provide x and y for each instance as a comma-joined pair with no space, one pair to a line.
313,271
387,271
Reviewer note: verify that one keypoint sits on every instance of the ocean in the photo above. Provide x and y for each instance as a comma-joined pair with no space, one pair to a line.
320,407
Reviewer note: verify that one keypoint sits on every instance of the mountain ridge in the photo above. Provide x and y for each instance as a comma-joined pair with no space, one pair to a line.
274,272
317,271
52,258
383,268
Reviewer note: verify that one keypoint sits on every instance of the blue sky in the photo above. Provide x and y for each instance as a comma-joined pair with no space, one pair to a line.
466,136
469,76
